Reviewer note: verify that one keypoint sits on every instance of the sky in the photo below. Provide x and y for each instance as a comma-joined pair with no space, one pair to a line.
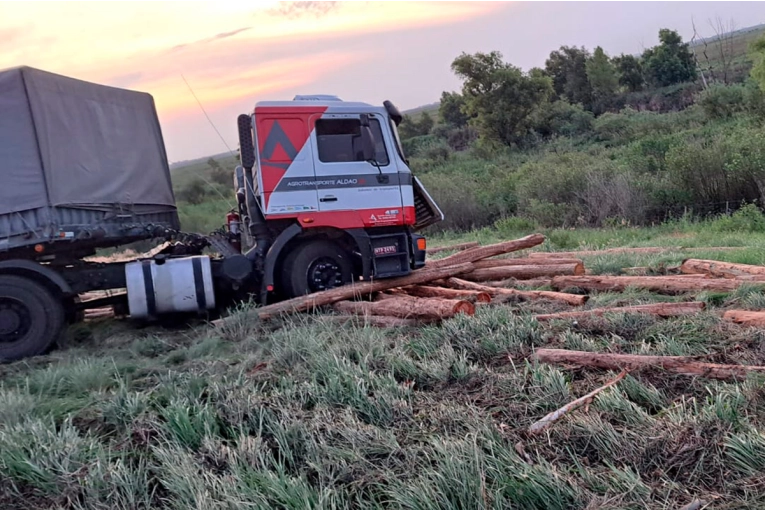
227,55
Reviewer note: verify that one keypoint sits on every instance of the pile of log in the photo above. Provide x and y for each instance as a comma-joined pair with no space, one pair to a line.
476,275
444,288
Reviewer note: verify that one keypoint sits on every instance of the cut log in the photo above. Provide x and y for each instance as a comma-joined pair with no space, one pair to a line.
454,247
570,299
512,283
720,269
524,272
589,253
544,423
661,284
659,309
677,364
442,292
483,264
745,317
525,261
379,321
355,290
408,307
492,250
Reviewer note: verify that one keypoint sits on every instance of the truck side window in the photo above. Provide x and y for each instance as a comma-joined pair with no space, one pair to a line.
339,140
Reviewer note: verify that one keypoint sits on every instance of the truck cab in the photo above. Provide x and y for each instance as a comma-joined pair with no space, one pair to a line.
331,171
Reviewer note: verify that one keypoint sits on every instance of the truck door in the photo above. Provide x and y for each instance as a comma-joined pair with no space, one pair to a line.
345,181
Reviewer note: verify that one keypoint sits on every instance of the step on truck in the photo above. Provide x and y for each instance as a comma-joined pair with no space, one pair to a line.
324,197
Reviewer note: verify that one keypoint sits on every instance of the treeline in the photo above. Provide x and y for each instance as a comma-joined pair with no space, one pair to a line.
594,140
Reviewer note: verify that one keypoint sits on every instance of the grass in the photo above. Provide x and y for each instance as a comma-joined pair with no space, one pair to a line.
308,413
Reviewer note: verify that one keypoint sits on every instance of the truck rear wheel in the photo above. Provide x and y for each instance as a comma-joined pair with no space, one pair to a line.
315,266
31,318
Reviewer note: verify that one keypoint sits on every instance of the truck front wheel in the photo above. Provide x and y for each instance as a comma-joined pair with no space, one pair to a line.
315,266
31,318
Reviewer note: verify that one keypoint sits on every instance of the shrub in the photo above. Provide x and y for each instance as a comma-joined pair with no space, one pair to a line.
748,218
722,101
561,118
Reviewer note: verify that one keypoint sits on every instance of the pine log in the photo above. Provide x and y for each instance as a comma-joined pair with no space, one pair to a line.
525,261
720,269
745,317
512,283
677,364
408,307
492,250
661,284
355,290
588,253
571,299
659,309
524,272
443,292
454,247
380,321
544,423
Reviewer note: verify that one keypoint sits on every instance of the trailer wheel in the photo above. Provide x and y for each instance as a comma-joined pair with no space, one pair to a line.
31,318
315,266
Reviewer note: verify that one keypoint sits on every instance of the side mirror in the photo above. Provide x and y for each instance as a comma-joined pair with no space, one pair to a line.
367,139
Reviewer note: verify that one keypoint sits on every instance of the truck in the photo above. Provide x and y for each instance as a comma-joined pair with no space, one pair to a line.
324,197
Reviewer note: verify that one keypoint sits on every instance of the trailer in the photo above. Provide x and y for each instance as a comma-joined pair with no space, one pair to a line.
325,197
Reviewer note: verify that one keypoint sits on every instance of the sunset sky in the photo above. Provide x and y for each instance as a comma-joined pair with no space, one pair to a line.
235,53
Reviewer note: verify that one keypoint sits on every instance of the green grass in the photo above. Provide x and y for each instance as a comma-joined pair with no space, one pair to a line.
309,413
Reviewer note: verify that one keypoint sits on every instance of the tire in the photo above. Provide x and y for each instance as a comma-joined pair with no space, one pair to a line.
31,318
314,266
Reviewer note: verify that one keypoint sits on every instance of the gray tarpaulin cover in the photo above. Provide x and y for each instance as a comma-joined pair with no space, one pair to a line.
66,142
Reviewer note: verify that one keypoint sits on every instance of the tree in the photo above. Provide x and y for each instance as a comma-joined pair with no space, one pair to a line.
671,61
499,97
451,109
757,52
410,128
568,69
603,79
630,72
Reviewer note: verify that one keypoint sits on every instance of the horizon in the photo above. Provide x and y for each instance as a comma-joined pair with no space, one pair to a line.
233,54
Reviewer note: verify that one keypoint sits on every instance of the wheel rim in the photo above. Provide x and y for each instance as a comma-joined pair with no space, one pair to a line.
324,273
15,320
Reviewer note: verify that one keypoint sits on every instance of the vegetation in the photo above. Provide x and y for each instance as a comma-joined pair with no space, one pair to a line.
594,152
311,414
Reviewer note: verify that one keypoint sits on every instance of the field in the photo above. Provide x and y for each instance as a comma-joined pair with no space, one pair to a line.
306,413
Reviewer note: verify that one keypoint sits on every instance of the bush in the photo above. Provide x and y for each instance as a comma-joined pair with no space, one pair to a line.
748,218
512,226
722,101
561,118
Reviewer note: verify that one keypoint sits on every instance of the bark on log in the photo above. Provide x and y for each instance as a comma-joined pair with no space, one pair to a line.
355,290
512,283
525,261
443,292
454,247
408,307
544,423
660,284
720,269
587,253
745,317
677,364
570,299
659,309
524,272
492,250
379,321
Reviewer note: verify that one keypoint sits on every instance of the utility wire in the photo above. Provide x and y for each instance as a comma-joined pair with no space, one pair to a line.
214,188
